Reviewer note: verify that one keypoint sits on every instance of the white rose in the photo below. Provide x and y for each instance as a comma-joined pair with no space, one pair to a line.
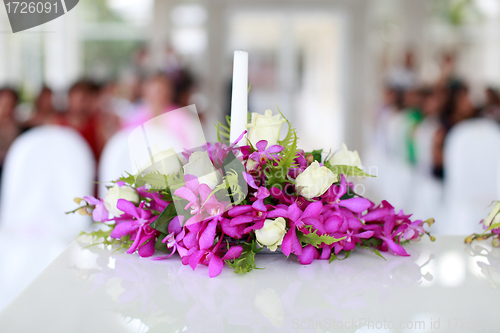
493,216
119,192
166,162
346,157
272,233
201,166
264,127
314,180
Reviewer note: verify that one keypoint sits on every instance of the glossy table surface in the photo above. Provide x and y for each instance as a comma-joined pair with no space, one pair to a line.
445,286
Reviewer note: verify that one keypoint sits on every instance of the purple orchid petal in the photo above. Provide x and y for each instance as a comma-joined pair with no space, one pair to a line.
294,212
326,253
308,255
259,205
333,223
313,210
239,210
356,205
128,208
261,145
208,236
274,149
280,212
291,243
364,234
195,258
91,200
215,266
396,248
148,249
233,253
249,179
175,225
242,219
122,229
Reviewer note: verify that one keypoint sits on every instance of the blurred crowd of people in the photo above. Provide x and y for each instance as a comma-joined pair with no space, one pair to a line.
415,119
96,110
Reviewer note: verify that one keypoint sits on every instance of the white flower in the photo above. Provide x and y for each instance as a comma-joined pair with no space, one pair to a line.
119,192
251,165
314,181
272,233
493,216
346,157
165,162
264,127
201,166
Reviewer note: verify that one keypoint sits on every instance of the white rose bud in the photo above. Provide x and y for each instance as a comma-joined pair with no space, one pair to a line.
119,192
346,157
201,166
493,215
314,181
272,233
265,127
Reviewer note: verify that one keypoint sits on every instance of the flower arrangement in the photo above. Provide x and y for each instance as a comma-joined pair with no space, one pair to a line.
491,224
225,203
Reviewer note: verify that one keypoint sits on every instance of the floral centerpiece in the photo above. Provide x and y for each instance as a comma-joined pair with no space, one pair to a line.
227,202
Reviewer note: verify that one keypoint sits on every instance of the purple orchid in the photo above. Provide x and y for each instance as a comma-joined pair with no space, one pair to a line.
135,222
100,213
263,153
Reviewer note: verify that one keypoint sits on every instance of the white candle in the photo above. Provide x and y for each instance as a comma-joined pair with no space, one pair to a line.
239,98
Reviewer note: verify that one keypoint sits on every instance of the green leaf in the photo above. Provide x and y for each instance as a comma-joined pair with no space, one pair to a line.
130,179
162,222
315,240
159,246
377,252
334,256
157,180
347,170
316,154
103,237
246,262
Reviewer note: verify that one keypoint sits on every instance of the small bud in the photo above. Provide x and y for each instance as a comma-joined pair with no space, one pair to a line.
495,242
310,158
432,238
83,211
468,240
430,222
78,200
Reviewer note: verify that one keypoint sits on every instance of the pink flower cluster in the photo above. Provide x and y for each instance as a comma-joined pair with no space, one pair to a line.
213,232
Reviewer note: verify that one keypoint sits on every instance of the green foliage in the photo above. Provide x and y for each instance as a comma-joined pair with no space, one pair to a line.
347,170
130,179
103,237
157,180
316,154
334,256
162,222
315,240
223,131
159,246
246,262
377,252
277,174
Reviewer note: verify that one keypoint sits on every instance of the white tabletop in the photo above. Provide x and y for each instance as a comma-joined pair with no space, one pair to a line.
444,286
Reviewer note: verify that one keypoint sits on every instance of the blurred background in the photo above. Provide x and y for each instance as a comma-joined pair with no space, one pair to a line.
412,85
